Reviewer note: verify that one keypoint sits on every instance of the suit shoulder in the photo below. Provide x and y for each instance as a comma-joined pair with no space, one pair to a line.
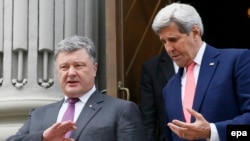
153,59
47,106
235,52
117,101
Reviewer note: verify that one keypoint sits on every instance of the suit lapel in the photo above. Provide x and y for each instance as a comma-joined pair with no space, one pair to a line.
51,114
91,108
207,69
166,66
178,98
173,97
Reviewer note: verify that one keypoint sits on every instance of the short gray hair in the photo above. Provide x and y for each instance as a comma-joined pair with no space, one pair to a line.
183,15
75,43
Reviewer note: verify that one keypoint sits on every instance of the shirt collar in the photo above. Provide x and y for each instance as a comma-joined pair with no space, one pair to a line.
198,57
84,98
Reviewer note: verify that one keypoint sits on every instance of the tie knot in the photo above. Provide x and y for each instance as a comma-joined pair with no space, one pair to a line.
191,66
73,100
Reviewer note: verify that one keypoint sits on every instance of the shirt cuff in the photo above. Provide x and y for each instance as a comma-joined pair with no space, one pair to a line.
214,133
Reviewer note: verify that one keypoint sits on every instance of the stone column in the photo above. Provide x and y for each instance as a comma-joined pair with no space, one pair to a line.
29,33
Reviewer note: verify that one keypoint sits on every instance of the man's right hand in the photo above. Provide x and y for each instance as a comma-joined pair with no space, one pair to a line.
58,130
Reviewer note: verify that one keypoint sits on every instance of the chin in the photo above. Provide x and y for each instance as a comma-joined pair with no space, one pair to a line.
72,92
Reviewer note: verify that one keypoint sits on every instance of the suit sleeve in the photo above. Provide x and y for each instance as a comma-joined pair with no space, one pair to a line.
130,124
147,104
23,133
241,88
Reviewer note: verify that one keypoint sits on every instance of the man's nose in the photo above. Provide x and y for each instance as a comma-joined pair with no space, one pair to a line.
169,47
71,71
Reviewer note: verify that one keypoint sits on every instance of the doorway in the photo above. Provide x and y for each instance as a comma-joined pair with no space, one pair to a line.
130,41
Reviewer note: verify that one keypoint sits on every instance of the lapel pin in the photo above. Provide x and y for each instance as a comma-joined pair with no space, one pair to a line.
90,106
211,64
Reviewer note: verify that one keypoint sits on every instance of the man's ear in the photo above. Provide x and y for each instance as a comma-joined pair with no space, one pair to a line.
196,31
95,67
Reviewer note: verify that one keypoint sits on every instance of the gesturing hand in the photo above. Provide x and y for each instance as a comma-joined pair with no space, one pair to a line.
200,129
58,130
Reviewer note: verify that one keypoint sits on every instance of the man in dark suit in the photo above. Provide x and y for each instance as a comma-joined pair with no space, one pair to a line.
155,74
220,78
97,117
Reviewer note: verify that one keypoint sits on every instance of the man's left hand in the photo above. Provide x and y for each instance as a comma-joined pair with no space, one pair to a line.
200,129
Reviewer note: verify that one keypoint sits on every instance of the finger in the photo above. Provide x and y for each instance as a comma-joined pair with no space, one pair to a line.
179,131
181,124
55,126
173,127
195,114
71,128
68,139
51,131
68,122
178,126
67,126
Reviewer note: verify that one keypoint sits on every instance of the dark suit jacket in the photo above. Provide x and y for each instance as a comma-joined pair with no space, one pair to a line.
155,74
108,119
222,93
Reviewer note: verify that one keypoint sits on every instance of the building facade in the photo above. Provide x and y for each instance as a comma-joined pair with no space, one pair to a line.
29,33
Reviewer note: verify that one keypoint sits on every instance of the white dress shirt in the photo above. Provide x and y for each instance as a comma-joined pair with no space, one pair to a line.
198,58
78,106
